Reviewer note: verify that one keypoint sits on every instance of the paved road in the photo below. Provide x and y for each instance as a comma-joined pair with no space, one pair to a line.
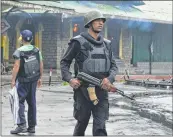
55,106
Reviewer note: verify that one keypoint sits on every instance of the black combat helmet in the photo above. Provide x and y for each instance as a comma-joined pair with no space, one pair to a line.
91,16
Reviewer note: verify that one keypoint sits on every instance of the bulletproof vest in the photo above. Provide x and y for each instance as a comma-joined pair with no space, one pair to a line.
29,66
98,60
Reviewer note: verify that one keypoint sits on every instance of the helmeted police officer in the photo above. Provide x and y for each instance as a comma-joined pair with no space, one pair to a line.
26,76
93,55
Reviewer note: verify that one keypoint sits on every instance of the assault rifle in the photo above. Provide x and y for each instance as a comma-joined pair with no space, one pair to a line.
97,82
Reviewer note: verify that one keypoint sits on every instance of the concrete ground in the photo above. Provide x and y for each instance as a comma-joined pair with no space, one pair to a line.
55,112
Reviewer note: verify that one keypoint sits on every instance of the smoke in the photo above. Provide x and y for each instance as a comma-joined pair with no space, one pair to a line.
140,24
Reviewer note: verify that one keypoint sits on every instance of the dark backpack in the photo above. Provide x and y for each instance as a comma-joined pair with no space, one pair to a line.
30,65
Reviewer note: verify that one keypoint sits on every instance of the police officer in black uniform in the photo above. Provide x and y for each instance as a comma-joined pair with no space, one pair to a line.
26,76
93,55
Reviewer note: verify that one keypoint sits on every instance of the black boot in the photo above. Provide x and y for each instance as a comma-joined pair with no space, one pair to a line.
20,129
31,129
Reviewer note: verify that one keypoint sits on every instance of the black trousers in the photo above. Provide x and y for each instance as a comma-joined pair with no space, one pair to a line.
27,91
83,108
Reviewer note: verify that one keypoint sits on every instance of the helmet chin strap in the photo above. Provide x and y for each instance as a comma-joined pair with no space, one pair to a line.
94,29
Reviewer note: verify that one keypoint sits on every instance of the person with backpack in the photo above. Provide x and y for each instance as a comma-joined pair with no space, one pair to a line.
93,55
26,76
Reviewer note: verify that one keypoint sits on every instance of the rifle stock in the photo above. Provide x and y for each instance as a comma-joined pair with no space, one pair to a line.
97,82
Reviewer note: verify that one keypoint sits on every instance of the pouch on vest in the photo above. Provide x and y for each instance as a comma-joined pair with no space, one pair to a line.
97,61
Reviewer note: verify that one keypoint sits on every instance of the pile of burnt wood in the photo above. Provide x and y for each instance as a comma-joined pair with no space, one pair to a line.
163,84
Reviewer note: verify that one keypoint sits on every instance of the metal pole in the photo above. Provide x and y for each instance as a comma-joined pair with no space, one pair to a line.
150,64
50,75
150,54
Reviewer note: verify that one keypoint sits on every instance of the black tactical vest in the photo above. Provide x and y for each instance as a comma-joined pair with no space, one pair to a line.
98,57
29,66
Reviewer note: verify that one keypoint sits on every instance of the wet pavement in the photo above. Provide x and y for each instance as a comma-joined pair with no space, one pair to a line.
150,114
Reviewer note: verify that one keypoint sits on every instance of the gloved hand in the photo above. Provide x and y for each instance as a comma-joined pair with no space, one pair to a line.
74,83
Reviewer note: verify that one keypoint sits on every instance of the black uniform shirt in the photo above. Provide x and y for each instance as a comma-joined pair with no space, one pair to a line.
71,52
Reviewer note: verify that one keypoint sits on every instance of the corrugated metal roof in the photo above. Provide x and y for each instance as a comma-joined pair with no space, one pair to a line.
57,4
155,11
84,6
160,10
41,5
26,10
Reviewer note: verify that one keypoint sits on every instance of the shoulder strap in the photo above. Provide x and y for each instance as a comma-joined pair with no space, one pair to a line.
107,43
79,38
35,49
83,42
